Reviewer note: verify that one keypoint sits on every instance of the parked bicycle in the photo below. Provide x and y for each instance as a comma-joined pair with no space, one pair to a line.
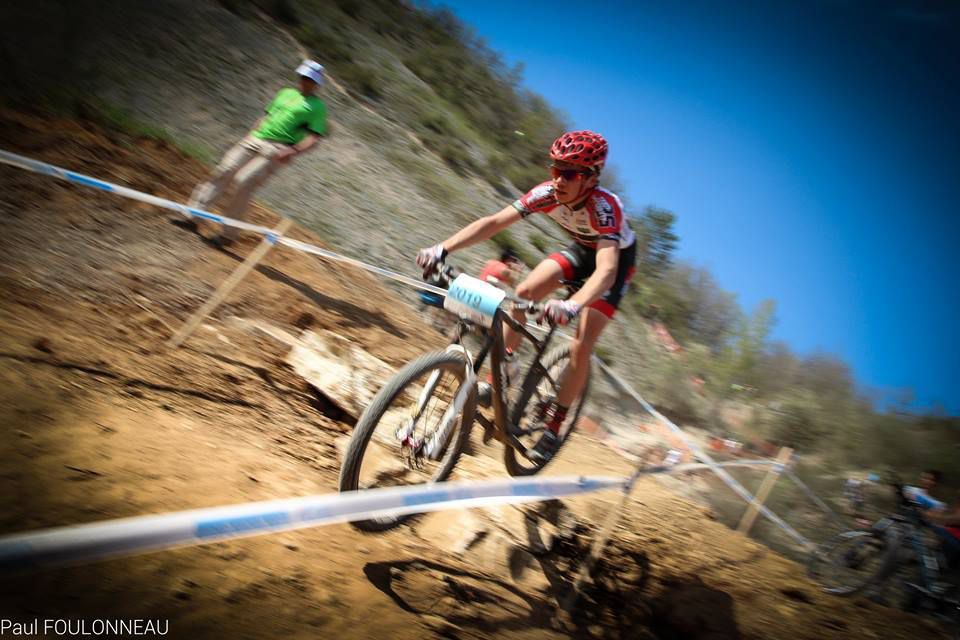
893,547
416,426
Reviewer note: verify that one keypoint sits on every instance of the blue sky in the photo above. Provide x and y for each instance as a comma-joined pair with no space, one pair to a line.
810,150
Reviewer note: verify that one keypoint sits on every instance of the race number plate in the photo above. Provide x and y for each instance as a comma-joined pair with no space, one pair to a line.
473,299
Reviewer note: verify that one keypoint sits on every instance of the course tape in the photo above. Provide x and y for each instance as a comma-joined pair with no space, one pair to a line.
47,169
130,536
813,496
37,166
706,458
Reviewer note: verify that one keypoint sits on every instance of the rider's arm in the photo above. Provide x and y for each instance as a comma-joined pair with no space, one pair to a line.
946,518
482,229
603,277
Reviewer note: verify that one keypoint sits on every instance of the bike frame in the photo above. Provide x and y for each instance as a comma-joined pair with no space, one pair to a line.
929,564
494,347
905,528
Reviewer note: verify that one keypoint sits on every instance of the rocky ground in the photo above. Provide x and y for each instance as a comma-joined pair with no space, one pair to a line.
101,420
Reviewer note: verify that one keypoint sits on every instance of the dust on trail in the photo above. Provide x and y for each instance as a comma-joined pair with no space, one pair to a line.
100,421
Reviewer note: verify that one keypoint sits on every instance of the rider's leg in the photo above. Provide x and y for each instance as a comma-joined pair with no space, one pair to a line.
544,278
592,324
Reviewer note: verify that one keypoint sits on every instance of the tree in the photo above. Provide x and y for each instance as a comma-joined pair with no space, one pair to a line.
778,369
751,342
656,241
713,312
828,377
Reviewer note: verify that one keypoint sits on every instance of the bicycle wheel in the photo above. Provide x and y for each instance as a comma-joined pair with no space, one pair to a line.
410,432
539,389
851,561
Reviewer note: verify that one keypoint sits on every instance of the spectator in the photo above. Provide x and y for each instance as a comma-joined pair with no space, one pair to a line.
293,123
503,272
920,494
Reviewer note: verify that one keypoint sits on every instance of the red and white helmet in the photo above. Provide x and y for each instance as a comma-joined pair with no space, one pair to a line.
581,148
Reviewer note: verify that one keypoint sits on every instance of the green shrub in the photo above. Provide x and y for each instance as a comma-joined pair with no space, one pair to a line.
540,242
425,175
118,119
372,131
604,353
282,10
332,47
526,177
362,79
505,240
435,122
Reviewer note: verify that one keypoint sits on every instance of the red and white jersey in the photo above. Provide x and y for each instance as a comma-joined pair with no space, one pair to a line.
599,217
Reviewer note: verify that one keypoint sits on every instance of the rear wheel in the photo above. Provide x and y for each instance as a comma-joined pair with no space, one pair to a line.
851,561
527,416
411,433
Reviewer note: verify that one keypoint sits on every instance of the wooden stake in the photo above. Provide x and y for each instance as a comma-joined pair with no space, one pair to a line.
783,457
228,285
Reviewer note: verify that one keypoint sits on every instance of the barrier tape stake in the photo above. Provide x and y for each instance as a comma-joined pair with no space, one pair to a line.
268,242
750,515
702,455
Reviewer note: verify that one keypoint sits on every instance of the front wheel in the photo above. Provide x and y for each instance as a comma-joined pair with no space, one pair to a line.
540,388
851,561
412,432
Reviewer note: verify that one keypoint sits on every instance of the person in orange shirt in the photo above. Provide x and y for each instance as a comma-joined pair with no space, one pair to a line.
503,272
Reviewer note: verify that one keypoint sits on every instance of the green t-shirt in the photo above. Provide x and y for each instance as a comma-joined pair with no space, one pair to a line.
291,116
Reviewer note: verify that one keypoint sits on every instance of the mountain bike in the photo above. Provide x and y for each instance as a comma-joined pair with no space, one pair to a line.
853,561
416,426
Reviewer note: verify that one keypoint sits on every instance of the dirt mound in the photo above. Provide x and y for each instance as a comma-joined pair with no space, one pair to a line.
100,420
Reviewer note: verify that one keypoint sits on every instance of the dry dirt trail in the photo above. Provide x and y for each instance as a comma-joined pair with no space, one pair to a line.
98,420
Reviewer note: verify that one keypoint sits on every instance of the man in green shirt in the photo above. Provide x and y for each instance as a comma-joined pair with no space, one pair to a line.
293,123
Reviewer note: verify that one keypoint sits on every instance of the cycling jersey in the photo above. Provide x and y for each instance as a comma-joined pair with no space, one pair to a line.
599,217
579,262
499,271
923,499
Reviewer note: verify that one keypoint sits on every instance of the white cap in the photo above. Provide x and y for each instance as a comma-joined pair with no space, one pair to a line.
312,70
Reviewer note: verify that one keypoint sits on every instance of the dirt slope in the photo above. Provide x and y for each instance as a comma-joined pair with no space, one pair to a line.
98,420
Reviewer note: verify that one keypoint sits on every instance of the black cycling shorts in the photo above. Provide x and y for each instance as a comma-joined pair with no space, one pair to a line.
579,263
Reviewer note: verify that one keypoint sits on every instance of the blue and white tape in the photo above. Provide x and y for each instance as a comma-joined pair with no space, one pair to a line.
129,536
36,166
708,460
64,174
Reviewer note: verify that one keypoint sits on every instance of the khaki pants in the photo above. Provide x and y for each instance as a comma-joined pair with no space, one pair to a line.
248,165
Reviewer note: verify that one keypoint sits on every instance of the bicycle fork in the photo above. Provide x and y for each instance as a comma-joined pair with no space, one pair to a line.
433,445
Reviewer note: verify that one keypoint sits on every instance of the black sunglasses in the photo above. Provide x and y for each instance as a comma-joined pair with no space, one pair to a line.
569,174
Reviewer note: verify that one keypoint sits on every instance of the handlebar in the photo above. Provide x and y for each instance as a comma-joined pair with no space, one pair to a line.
443,274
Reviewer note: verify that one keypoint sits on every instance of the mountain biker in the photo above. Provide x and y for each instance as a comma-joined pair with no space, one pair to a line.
920,494
294,122
603,251
945,520
946,524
